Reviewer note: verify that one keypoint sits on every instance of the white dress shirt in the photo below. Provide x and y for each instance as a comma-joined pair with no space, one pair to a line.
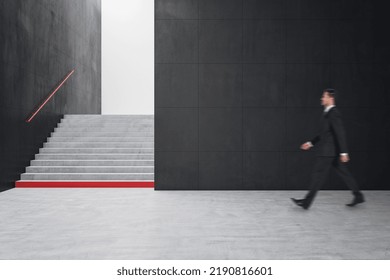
327,108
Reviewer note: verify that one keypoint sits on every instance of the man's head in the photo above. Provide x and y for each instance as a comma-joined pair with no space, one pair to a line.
328,97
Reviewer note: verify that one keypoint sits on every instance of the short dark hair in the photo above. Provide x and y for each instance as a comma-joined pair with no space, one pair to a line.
331,92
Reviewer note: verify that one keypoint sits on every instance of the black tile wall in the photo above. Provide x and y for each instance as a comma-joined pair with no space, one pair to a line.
176,41
177,170
378,172
264,41
220,85
378,128
298,166
176,9
220,41
220,9
306,79
247,76
264,85
220,170
263,170
264,129
353,9
40,42
176,85
354,82
381,78
352,41
307,9
264,9
220,129
176,129
308,41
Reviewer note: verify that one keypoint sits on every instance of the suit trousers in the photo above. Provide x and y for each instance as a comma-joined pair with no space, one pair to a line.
320,173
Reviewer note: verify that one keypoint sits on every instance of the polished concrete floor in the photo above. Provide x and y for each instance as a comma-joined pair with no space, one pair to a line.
148,224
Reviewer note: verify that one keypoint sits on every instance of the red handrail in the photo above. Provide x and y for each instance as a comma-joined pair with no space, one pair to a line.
50,96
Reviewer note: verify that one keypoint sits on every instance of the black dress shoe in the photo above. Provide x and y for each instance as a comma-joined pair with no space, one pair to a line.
301,202
356,200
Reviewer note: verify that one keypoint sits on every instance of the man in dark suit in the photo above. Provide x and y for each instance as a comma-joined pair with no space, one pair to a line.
332,150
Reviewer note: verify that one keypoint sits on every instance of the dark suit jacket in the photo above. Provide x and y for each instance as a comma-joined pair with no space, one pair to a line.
331,139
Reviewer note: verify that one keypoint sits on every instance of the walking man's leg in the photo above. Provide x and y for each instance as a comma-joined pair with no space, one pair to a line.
349,180
318,178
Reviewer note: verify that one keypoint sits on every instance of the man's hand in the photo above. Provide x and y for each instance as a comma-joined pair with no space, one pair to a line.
306,146
344,158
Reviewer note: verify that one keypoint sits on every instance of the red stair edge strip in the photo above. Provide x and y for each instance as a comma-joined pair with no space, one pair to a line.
82,184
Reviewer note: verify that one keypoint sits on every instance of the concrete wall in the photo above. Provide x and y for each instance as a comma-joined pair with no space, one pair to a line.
238,84
41,40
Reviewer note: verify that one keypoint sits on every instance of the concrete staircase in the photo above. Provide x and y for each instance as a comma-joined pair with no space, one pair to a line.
95,151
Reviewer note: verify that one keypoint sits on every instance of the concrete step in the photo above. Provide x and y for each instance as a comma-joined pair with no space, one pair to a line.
88,176
92,163
99,145
96,150
103,134
104,129
100,139
100,157
118,122
90,169
114,122
99,125
91,116
95,116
